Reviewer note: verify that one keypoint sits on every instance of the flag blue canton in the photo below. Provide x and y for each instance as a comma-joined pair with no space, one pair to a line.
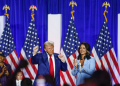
6,42
31,40
103,43
71,41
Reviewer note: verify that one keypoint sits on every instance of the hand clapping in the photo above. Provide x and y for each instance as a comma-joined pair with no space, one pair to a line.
75,63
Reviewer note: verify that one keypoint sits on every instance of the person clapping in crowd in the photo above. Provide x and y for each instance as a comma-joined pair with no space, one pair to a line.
5,70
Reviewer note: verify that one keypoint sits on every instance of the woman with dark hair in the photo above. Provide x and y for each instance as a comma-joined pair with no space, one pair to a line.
5,70
84,65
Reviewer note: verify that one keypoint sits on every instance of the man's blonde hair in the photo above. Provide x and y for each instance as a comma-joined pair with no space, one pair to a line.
48,43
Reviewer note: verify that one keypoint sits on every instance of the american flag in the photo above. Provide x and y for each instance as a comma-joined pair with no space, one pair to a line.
70,51
7,46
104,54
31,41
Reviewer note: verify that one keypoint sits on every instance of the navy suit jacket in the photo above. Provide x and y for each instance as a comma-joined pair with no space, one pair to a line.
43,66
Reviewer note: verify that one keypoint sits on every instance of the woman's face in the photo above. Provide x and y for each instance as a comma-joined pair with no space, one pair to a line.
83,50
19,76
1,58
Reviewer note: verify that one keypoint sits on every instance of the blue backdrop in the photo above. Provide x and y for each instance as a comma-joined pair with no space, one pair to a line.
88,18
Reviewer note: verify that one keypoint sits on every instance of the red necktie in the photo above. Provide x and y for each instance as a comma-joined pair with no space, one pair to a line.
51,67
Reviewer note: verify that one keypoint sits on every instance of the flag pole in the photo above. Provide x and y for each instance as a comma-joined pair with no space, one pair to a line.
72,3
6,8
33,7
105,4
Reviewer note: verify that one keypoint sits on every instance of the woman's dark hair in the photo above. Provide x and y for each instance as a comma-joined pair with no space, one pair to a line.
87,46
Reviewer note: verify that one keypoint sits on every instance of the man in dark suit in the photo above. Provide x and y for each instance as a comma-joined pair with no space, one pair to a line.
49,62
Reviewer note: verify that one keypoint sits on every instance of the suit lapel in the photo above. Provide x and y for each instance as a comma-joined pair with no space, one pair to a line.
45,57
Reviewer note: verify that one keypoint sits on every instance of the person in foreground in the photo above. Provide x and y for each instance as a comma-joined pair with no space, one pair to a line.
99,78
18,78
49,63
5,70
84,65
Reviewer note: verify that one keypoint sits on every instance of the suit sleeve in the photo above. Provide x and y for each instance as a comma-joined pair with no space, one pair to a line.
91,68
75,71
36,58
63,66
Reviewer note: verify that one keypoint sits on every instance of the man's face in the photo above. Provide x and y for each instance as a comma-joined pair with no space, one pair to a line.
49,49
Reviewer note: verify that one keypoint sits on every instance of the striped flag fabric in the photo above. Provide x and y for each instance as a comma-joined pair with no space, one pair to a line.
70,51
7,46
104,54
31,41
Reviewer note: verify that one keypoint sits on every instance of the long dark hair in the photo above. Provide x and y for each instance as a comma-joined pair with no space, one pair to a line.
87,46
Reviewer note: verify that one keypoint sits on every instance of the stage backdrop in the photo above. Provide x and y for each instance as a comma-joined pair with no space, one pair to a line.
2,23
88,19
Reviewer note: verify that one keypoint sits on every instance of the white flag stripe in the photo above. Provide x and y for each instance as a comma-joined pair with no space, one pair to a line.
96,57
68,65
68,68
31,70
114,54
108,70
104,63
29,66
36,65
61,81
10,62
76,53
66,78
23,54
25,73
64,73
113,66
15,57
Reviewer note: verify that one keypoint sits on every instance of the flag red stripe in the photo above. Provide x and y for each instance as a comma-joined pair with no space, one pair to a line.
8,63
70,79
5,60
112,73
29,73
33,66
92,55
16,53
67,72
74,55
62,76
70,63
26,68
13,60
96,65
114,60
102,65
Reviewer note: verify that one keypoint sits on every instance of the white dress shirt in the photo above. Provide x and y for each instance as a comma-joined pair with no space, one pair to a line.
18,82
52,56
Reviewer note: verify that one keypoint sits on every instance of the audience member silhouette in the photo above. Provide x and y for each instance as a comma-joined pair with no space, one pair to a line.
98,78
22,64
26,82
